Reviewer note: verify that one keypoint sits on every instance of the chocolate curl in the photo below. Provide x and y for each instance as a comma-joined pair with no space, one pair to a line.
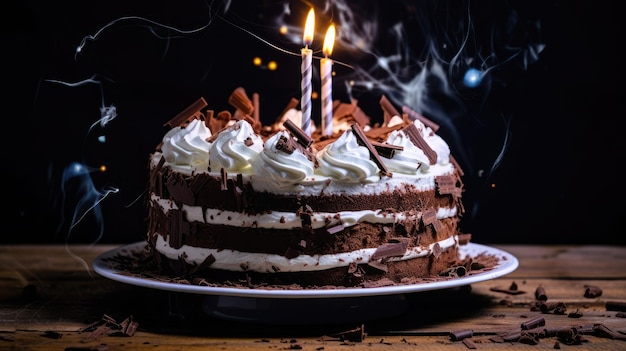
534,323
298,133
592,291
188,114
358,132
388,109
416,138
540,294
461,334
413,115
239,100
616,306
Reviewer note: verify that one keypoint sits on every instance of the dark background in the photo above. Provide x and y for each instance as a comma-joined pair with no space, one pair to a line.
540,140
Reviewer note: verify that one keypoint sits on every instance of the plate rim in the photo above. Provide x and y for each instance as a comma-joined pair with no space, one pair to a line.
507,263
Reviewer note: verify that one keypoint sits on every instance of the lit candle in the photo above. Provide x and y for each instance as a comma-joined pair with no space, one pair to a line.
326,70
305,85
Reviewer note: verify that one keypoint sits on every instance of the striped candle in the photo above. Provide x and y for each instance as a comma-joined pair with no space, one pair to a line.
326,71
306,70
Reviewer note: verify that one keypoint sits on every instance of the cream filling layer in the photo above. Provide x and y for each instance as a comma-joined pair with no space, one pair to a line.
318,185
238,261
288,220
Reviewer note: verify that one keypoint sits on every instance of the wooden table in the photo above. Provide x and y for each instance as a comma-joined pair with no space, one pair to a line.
50,299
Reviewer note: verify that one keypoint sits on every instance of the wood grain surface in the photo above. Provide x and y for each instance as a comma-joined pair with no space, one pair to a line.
50,299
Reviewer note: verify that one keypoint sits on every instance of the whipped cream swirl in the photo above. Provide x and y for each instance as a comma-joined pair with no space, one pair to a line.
284,167
187,145
346,160
234,148
410,160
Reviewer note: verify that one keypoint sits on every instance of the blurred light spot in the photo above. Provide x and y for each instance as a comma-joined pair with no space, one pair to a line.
472,78
272,65
103,168
257,61
493,185
283,30
102,138
314,95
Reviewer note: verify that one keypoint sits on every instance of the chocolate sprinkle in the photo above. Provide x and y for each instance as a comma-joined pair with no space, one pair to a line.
358,132
188,114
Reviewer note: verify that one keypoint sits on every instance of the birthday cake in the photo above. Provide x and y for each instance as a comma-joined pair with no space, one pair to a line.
234,202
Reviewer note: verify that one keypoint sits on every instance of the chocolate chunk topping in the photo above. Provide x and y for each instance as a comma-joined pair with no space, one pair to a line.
298,133
390,250
188,114
388,110
358,132
239,99
386,150
416,138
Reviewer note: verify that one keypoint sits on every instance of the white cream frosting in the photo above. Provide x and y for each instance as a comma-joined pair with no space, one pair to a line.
346,160
188,145
233,260
234,147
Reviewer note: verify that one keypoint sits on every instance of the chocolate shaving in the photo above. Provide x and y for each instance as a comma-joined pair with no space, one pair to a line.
286,145
298,133
358,132
461,334
386,150
188,114
390,250
240,100
592,291
335,229
535,322
224,179
616,306
446,184
464,239
388,110
507,291
540,294
429,216
469,344
416,138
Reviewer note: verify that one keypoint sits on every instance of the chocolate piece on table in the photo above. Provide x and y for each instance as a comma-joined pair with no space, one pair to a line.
592,291
459,335
616,306
358,132
533,323
188,114
540,294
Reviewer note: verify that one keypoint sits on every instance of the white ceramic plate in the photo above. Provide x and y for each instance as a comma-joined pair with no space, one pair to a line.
507,264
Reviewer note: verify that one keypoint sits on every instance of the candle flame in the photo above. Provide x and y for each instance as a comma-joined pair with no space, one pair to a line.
309,28
329,40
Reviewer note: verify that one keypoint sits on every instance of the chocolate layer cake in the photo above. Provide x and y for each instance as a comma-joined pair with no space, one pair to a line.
233,201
